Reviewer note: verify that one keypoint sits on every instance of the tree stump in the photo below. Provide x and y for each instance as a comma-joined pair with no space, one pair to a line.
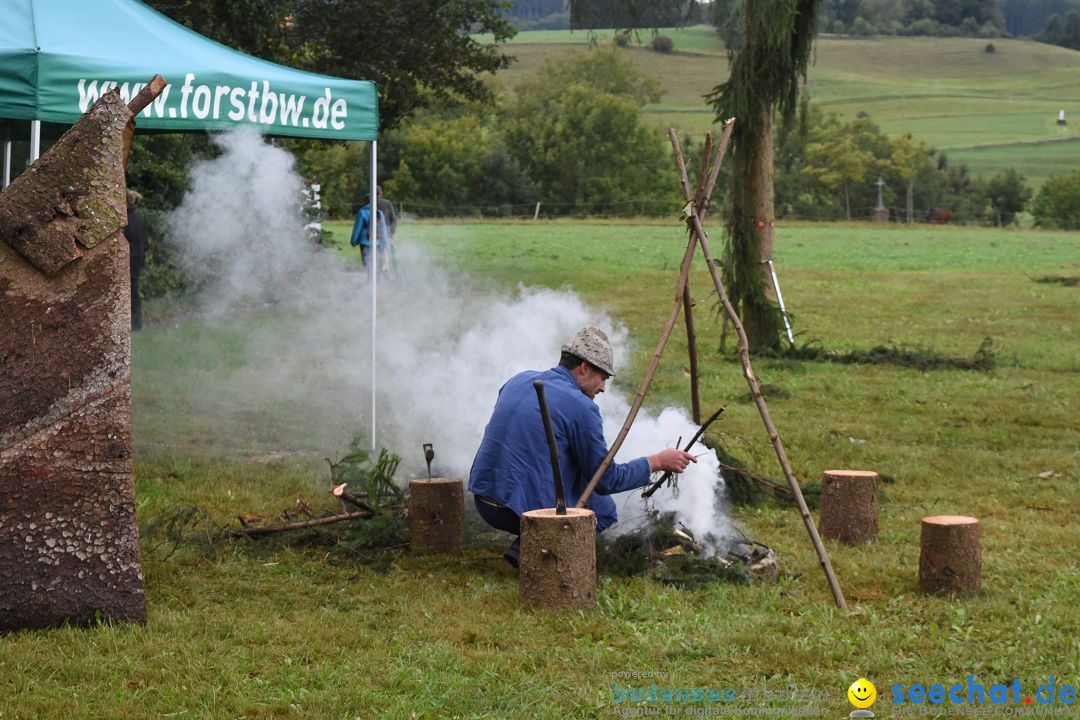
849,505
558,559
437,516
950,560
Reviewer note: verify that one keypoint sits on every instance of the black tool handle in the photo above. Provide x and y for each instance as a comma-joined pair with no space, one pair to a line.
553,449
668,475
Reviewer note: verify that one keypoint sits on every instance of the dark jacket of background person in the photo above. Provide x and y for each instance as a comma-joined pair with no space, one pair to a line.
513,466
139,243
387,209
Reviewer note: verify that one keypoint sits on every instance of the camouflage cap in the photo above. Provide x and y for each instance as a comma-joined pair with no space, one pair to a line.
592,345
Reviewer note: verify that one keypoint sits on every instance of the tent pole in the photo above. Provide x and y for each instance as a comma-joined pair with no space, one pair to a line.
35,140
7,158
373,269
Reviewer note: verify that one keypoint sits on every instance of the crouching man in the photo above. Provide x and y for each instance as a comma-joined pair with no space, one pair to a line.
512,470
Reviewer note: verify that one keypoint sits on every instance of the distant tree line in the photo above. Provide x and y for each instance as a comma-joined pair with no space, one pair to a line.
1051,21
942,18
1031,17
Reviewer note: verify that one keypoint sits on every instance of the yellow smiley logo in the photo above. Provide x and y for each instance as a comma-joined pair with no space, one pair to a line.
862,693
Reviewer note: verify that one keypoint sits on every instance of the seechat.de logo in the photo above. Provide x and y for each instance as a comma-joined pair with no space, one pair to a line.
862,695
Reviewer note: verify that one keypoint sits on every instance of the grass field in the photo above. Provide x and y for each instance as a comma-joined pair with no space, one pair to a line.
264,630
982,108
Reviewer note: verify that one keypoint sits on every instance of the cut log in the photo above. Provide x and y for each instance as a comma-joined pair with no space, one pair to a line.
950,560
849,505
558,559
341,492
437,516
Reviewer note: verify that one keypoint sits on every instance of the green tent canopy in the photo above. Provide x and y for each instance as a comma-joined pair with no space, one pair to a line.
58,56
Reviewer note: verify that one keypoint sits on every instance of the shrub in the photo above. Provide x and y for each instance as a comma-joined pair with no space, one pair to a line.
1057,205
989,48
859,26
457,166
662,43
622,39
1008,194
926,26
577,130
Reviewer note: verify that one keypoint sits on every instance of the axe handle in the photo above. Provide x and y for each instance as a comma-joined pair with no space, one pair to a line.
553,449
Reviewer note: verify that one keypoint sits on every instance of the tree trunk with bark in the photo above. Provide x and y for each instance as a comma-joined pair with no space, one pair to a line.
757,303
69,549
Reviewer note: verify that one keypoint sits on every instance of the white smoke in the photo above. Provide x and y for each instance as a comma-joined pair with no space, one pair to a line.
446,344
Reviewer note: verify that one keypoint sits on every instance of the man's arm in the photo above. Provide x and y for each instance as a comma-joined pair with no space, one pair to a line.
590,448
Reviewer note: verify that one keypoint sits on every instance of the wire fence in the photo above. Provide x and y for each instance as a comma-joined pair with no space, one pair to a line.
653,207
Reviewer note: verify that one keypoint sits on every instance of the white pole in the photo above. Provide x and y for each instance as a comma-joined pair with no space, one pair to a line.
35,140
7,159
780,299
373,268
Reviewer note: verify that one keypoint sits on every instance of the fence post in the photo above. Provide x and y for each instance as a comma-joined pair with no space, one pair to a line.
537,213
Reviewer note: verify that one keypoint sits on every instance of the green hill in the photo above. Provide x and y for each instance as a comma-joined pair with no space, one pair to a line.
989,110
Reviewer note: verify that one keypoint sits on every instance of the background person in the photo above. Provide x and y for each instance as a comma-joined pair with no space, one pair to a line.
387,209
362,228
139,244
511,473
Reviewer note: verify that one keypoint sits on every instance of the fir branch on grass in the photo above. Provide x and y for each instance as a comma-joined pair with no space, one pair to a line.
984,359
1066,280
193,527
373,482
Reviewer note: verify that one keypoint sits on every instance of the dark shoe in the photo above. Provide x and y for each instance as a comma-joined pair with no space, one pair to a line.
513,553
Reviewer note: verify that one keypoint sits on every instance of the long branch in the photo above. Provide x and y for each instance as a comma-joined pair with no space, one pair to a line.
249,532
759,400
684,274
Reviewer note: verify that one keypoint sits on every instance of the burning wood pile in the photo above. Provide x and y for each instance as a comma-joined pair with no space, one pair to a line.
666,551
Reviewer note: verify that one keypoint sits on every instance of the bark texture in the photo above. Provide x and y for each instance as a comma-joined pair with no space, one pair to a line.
758,300
950,560
69,548
849,505
437,516
558,559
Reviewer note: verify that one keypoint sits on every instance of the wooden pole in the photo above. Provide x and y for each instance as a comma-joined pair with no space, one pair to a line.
691,348
755,388
684,273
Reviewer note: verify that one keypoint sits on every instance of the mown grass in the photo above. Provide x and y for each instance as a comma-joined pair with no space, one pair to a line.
261,630
983,108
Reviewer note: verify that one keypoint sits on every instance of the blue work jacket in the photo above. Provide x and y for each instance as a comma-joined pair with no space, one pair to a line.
513,465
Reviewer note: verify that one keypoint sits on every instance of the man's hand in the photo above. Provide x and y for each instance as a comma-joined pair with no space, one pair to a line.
670,460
